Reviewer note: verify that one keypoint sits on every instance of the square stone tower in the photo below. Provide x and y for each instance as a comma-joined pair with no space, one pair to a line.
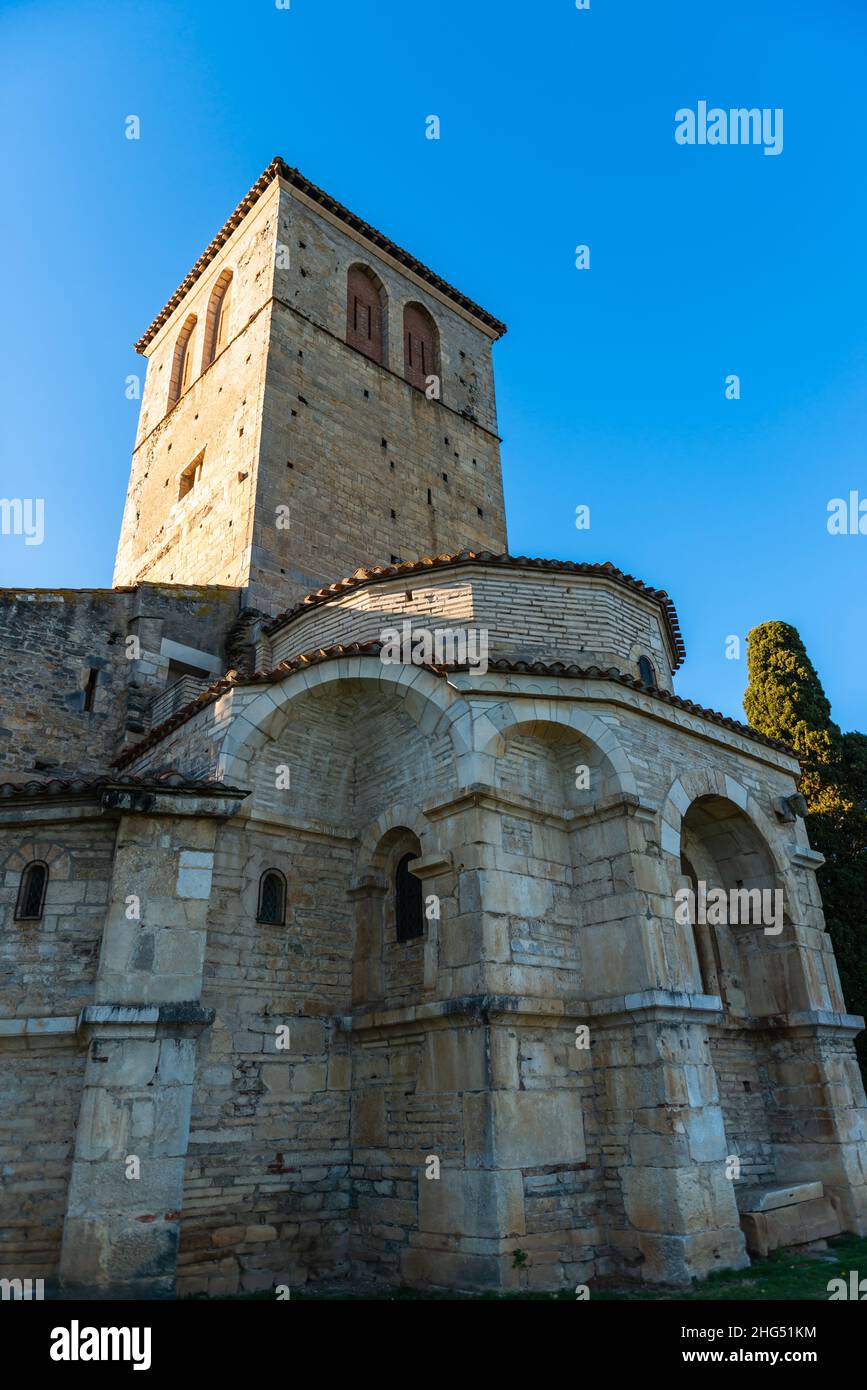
316,400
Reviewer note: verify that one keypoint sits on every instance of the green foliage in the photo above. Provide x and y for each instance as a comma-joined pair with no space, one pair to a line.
785,700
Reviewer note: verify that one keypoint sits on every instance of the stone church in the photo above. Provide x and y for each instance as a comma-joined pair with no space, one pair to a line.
319,963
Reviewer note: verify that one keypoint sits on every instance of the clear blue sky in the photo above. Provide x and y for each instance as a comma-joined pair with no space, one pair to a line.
557,129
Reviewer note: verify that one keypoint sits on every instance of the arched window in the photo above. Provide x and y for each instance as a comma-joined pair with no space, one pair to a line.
365,312
182,363
216,323
272,899
646,672
408,902
421,346
31,892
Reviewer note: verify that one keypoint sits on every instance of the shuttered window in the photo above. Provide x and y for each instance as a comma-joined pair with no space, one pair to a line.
420,347
365,312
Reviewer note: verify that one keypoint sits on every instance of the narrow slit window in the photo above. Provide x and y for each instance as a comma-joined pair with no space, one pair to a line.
90,688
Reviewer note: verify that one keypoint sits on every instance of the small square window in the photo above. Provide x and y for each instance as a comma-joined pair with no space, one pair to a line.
191,475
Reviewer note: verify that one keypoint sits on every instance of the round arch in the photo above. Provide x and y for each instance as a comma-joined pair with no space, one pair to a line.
690,789
522,715
432,705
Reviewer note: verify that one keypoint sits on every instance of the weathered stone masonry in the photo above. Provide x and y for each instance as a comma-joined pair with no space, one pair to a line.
548,1078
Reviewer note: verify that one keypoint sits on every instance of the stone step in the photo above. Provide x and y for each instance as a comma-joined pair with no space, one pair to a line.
769,1198
797,1224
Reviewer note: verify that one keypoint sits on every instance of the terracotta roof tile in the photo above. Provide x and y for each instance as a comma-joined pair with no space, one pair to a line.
540,668
278,168
485,557
166,780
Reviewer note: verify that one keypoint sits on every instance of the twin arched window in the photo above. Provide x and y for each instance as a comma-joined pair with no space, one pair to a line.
216,324
367,327
365,312
421,358
182,362
271,911
408,901
31,893
216,337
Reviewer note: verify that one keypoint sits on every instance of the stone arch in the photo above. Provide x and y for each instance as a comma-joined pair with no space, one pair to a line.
385,968
690,787
374,840
714,833
432,705
511,715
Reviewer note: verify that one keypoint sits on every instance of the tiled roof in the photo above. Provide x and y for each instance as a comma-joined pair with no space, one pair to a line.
167,780
485,557
535,668
278,168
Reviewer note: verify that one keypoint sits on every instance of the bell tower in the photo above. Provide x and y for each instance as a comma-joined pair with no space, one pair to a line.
316,400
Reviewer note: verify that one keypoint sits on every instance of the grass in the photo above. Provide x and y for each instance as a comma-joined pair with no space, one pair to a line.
782,1276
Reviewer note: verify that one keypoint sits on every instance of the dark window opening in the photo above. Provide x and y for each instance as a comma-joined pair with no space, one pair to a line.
191,475
31,893
183,668
272,899
90,689
408,901
645,671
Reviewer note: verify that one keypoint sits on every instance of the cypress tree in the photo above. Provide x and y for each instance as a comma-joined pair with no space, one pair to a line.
785,700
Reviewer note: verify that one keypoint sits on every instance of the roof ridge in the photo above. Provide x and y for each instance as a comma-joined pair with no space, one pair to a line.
168,778
316,656
449,559
278,168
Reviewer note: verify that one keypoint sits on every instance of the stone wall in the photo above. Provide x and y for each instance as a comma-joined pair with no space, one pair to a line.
306,445
266,1190
54,638
47,975
525,614
203,537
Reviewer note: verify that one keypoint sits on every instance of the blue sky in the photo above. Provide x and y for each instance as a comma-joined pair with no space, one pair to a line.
557,129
